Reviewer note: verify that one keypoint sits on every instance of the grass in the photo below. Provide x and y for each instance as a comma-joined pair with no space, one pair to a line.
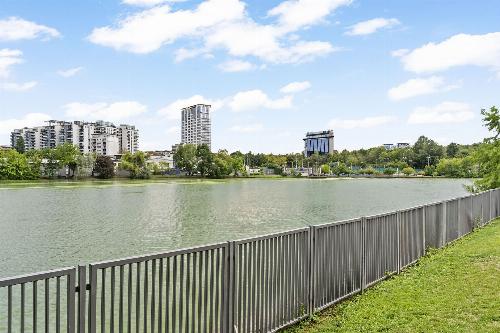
455,289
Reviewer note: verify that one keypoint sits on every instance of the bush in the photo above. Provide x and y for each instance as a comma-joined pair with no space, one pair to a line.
104,167
408,171
389,171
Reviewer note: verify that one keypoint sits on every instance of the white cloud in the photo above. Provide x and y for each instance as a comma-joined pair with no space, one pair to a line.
237,66
294,14
144,3
223,24
9,57
446,112
372,26
173,110
148,30
256,99
15,28
458,50
18,87
251,128
419,87
28,120
104,111
360,123
399,53
69,72
295,87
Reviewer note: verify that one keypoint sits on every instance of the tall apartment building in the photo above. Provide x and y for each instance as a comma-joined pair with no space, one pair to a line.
196,125
101,137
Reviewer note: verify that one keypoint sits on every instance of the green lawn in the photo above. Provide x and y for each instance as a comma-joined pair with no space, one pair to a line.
455,289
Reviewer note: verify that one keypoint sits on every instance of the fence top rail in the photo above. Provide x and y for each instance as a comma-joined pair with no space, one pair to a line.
372,217
26,278
334,224
154,256
268,236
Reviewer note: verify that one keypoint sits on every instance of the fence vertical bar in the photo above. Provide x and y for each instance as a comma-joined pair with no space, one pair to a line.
363,254
423,229
92,302
311,269
70,301
398,240
82,293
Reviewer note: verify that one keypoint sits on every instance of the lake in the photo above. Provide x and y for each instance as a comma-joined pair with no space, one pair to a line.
49,225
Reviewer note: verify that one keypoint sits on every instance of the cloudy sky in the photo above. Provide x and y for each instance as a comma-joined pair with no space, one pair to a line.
374,71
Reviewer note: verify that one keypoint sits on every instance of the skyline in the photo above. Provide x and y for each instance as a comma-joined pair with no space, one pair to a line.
374,73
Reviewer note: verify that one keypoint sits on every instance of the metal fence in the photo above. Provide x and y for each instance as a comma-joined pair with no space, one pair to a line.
260,284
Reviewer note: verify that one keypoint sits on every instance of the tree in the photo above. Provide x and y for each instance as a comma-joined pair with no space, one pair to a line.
488,153
85,165
492,122
185,158
17,166
204,159
20,146
408,171
429,170
426,151
51,163
452,149
104,167
67,156
135,164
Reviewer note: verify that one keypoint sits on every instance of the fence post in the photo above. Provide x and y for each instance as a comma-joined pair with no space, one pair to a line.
92,299
312,269
398,232
423,228
228,289
82,293
363,254
490,215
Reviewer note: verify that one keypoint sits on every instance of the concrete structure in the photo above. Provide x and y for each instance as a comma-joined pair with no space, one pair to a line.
161,158
321,142
196,128
103,138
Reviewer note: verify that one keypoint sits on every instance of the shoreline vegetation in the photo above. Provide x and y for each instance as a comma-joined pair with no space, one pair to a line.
425,158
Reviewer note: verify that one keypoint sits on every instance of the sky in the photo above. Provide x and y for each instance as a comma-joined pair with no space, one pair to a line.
373,71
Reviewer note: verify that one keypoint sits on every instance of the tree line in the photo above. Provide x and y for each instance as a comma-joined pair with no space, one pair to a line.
18,164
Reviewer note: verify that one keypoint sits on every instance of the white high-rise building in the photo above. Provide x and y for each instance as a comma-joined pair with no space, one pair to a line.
103,138
196,127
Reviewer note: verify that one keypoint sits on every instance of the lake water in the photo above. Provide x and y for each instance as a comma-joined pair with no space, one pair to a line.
51,225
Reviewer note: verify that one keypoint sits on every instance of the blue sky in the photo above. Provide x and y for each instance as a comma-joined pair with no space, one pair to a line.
374,71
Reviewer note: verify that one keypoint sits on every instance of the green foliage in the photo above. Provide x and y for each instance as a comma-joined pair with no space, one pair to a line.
17,166
456,167
205,159
488,153
185,158
452,149
341,169
408,171
67,156
135,164
389,171
20,147
429,170
104,167
426,151
488,158
85,165
367,171
325,169
492,122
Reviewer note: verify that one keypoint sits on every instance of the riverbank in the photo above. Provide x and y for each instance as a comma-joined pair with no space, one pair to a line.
455,289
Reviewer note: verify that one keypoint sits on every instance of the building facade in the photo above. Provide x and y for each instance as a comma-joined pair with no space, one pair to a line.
196,127
102,138
321,142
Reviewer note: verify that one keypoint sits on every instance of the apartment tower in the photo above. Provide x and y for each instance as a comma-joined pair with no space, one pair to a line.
196,125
